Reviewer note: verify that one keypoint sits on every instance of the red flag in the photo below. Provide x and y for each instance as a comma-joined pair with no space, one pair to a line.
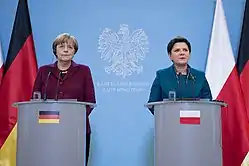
19,76
222,76
243,56
1,64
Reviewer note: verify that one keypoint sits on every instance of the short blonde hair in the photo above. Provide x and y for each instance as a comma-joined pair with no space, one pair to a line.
65,38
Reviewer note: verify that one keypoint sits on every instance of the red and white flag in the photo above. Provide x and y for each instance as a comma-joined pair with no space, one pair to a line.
222,75
1,63
190,117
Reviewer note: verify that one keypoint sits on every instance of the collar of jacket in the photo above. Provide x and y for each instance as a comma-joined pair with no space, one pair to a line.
173,69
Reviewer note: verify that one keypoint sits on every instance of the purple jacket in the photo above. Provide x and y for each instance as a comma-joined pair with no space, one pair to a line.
76,84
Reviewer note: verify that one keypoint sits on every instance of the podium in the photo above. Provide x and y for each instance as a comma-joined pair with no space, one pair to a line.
51,133
187,133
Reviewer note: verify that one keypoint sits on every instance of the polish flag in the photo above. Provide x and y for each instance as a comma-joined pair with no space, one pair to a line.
190,117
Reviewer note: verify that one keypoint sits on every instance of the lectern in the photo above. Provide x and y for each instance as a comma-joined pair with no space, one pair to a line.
187,133
51,133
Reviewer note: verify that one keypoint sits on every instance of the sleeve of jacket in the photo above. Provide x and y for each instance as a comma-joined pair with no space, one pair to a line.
89,94
155,91
206,91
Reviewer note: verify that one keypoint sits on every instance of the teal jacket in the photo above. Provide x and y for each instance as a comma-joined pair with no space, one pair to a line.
194,85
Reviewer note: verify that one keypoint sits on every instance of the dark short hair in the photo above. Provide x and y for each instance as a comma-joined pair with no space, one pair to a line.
175,40
64,38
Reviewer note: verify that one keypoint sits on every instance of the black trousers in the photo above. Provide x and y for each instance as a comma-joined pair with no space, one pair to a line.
88,140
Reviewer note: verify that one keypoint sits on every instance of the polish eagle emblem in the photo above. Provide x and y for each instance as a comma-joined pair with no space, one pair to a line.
123,50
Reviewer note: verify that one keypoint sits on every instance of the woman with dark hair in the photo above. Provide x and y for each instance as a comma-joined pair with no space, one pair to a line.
180,77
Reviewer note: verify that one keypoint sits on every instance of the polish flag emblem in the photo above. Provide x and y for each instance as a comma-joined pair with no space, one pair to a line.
191,117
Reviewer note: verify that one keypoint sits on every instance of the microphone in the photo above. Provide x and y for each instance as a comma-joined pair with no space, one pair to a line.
178,85
192,77
193,85
45,87
177,77
57,86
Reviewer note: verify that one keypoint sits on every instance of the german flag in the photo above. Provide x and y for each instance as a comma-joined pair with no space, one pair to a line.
49,117
1,63
19,75
243,56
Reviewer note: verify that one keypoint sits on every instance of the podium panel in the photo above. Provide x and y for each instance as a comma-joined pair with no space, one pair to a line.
187,133
51,133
